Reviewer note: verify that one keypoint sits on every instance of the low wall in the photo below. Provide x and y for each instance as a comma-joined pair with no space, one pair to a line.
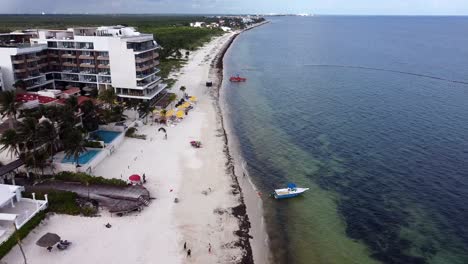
112,128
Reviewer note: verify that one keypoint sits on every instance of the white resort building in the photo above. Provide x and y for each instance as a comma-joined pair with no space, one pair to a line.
15,211
89,58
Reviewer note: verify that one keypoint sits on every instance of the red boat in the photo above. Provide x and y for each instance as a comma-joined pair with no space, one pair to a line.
237,79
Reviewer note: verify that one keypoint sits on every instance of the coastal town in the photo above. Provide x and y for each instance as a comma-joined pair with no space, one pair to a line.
106,155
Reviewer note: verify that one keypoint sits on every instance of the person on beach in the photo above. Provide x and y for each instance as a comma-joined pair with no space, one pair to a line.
189,253
185,245
165,136
144,178
209,248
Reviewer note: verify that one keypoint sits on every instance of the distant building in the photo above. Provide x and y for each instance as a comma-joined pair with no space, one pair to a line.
114,57
198,24
226,29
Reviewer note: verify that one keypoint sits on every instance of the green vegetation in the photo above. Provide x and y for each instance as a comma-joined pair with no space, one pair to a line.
60,202
93,144
87,179
21,233
131,133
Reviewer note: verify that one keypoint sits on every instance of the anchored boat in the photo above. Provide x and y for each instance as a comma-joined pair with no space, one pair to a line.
291,191
237,79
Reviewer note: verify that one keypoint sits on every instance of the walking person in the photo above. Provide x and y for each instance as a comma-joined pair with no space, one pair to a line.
185,245
189,253
209,248
144,178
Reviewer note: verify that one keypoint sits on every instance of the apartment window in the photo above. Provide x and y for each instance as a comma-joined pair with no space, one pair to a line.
86,45
52,44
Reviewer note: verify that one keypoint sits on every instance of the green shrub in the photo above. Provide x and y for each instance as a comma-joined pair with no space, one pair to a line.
60,202
93,144
87,179
6,246
130,132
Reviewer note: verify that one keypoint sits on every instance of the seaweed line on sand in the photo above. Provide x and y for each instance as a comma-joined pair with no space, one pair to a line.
240,211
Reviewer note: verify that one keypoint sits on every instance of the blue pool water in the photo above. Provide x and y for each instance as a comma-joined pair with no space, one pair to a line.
84,158
106,136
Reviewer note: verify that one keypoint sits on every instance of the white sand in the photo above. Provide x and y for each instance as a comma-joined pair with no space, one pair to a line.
157,234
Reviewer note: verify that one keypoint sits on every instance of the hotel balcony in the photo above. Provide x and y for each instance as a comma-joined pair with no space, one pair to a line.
32,59
52,55
102,57
104,66
87,65
144,68
43,56
70,64
86,57
140,60
67,55
18,61
147,73
19,70
148,81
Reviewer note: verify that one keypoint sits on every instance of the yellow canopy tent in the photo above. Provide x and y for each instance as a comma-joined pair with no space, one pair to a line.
193,98
181,107
180,114
186,104
170,113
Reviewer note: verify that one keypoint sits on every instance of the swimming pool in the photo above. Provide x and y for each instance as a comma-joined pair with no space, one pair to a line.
84,157
104,135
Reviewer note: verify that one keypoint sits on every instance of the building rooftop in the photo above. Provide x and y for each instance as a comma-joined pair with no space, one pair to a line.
28,97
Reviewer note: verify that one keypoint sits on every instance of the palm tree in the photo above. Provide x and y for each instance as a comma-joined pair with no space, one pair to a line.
10,142
28,135
145,108
48,134
108,96
172,98
90,120
72,102
151,110
37,160
182,89
20,86
163,114
9,106
74,145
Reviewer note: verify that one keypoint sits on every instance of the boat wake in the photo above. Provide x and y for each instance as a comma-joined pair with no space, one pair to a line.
387,70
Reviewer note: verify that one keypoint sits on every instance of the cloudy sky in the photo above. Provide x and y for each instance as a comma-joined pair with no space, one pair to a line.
356,7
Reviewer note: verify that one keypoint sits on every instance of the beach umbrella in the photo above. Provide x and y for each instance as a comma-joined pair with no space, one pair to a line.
48,240
181,107
193,98
135,178
180,114
162,129
170,113
186,104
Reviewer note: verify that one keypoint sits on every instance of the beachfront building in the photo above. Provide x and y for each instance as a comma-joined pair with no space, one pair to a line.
198,24
90,58
15,211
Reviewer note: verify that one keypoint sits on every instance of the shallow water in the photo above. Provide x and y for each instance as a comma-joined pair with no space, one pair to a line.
370,113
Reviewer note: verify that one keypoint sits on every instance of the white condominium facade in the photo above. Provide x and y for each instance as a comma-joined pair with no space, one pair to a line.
115,57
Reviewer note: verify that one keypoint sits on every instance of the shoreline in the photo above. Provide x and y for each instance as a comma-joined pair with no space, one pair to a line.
218,219
257,245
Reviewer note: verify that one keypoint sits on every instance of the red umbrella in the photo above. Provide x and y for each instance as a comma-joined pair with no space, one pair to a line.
135,177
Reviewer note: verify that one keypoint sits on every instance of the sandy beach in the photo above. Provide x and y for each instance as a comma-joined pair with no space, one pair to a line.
197,177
